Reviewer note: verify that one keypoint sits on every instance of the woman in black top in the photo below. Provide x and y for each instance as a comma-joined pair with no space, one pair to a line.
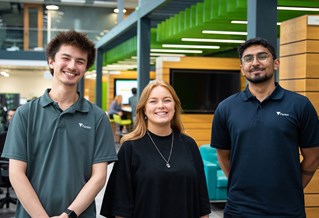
159,173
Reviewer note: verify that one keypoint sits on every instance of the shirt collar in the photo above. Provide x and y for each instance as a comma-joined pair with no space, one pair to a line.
81,105
277,94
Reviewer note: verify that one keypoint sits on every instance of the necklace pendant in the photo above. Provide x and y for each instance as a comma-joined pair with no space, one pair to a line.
168,165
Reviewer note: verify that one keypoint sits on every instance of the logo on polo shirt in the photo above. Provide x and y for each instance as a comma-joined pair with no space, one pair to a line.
84,126
282,114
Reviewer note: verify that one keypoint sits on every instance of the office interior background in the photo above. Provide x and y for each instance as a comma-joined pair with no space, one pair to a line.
26,27
148,39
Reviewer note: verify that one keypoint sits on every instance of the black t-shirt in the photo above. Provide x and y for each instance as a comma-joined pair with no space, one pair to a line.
141,186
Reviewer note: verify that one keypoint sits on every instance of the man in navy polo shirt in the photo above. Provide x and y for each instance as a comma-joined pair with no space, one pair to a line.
258,134
59,145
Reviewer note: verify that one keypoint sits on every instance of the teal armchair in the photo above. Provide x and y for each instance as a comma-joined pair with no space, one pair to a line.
215,177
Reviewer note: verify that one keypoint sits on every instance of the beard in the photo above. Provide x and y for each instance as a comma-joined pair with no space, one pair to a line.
259,78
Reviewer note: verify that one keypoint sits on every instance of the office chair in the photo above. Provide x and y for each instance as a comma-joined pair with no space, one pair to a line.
4,177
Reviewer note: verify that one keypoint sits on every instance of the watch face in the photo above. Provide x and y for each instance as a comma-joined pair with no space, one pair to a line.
71,213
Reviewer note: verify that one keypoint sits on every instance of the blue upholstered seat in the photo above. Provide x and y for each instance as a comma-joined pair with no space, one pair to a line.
215,177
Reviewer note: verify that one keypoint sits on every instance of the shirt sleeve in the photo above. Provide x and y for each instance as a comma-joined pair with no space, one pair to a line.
16,139
309,127
220,137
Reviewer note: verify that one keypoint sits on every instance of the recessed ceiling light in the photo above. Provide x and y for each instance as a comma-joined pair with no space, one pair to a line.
4,73
52,7
116,10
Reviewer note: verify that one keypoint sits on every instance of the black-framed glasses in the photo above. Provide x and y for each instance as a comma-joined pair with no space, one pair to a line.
261,56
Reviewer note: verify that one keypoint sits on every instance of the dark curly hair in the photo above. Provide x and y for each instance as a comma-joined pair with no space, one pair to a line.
256,41
79,40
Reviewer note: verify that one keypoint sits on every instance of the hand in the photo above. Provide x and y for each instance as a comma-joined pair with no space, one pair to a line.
62,215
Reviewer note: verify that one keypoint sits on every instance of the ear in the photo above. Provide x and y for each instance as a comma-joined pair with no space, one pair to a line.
241,70
276,64
50,62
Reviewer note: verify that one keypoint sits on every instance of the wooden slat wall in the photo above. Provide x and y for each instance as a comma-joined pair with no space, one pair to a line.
299,58
197,126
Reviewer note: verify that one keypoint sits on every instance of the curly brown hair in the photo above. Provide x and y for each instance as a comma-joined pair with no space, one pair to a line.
76,39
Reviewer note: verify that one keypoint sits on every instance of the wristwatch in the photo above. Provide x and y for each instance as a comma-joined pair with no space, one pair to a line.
71,213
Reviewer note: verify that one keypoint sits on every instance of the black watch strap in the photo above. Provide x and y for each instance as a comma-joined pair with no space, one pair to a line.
71,213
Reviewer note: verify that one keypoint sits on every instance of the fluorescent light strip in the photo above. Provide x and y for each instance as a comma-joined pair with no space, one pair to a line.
167,55
191,46
296,9
177,51
246,22
74,1
239,21
224,32
212,40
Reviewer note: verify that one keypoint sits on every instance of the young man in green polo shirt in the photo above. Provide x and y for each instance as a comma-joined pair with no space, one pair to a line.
59,145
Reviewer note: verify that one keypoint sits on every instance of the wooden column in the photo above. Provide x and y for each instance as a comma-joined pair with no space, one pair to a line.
299,64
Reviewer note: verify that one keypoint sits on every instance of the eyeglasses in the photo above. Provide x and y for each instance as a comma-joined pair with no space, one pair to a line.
262,56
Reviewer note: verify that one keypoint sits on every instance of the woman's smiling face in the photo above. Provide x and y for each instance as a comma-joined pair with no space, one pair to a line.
160,108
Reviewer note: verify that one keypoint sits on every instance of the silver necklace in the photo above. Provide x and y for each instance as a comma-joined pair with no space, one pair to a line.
160,153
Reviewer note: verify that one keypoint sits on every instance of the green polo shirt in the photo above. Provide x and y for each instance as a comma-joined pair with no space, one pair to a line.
59,148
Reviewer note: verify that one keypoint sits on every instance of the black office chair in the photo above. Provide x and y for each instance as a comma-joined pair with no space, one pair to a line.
4,177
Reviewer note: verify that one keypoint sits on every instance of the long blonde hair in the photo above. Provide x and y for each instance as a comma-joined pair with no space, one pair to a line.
118,99
140,126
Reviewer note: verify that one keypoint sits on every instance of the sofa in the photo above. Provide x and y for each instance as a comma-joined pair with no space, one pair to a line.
215,177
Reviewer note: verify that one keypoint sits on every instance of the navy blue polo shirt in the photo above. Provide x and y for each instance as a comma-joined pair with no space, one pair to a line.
264,139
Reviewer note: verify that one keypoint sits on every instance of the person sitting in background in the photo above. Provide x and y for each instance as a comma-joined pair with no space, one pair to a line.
116,106
159,172
10,114
133,102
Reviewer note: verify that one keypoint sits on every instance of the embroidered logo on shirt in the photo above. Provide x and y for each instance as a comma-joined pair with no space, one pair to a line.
85,127
282,114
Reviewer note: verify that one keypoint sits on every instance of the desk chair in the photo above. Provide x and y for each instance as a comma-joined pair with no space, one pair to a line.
4,177
121,122
5,183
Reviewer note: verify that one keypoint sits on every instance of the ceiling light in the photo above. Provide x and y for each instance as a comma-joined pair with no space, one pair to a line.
191,46
116,10
224,32
52,7
239,21
4,73
177,51
74,1
246,22
213,40
167,55
296,9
